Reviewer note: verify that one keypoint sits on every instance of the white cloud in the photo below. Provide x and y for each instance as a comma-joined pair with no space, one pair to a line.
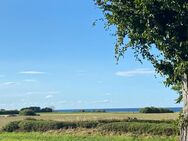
130,73
9,83
32,72
79,102
107,94
62,102
102,101
42,92
99,82
49,96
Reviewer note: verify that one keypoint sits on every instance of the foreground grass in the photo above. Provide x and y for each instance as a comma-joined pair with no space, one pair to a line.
91,116
68,137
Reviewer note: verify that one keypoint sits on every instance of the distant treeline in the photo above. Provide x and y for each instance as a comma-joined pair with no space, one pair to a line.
95,111
31,109
38,109
155,110
8,112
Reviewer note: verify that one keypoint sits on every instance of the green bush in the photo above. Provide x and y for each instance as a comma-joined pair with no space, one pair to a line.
46,109
140,128
155,110
42,126
8,112
129,125
34,108
38,109
87,124
27,112
12,126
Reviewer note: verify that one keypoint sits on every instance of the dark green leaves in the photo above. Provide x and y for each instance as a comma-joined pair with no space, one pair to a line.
162,24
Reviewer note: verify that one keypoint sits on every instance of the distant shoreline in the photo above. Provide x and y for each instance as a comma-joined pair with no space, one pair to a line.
114,110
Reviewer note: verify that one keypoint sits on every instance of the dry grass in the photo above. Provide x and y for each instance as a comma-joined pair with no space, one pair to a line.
91,116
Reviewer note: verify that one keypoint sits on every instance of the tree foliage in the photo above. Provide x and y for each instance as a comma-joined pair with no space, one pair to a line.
155,110
152,26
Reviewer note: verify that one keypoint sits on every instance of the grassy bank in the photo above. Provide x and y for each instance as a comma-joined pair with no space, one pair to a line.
105,127
91,116
61,137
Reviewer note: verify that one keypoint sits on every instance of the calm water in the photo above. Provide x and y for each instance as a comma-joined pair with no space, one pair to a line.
135,110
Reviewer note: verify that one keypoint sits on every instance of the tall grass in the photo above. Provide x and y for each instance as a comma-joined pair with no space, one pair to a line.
60,137
133,126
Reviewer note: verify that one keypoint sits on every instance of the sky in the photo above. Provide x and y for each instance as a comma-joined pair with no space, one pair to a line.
52,56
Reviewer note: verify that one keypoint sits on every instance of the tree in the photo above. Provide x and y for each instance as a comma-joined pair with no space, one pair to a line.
158,31
27,112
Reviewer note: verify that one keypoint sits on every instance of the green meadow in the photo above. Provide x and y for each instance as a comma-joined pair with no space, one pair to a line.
60,137
91,127
90,116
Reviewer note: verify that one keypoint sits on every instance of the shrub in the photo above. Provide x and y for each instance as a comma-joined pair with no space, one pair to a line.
87,124
8,112
47,109
140,128
133,126
155,110
27,112
12,126
38,109
35,109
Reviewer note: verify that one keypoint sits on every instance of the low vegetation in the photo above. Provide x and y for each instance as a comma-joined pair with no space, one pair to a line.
69,137
132,126
67,117
8,112
155,110
38,109
94,111
27,112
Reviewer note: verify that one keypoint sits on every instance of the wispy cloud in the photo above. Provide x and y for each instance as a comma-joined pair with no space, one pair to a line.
81,72
130,73
42,92
10,83
49,96
62,102
102,101
32,72
99,82
108,94
29,80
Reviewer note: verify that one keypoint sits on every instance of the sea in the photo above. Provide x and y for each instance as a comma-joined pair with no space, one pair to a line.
116,110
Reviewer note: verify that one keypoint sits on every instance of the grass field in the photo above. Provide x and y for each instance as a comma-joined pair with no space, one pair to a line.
67,137
90,116
83,134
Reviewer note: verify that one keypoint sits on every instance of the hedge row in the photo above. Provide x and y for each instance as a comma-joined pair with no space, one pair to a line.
115,126
141,128
8,112
44,125
155,110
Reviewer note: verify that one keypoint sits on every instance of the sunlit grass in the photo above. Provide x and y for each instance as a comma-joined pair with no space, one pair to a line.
67,137
91,116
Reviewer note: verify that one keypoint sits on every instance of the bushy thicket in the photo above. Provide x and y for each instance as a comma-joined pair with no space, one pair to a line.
27,112
8,112
93,111
116,126
141,128
155,110
44,125
38,109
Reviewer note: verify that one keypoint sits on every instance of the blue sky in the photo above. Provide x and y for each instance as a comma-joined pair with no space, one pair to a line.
51,55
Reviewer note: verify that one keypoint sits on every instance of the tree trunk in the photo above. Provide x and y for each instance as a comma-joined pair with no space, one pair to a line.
184,124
